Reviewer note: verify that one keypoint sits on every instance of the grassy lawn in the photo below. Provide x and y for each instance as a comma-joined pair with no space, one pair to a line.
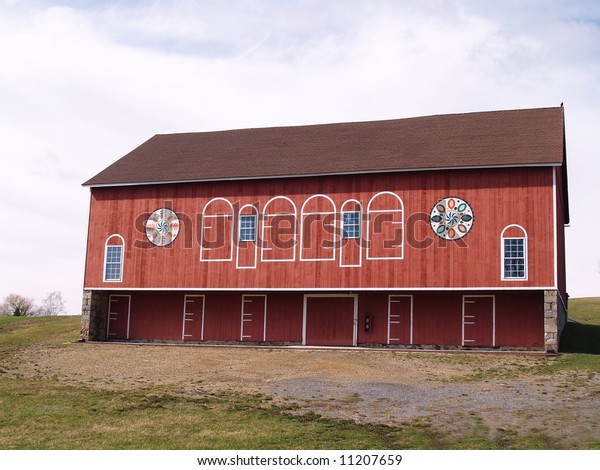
41,413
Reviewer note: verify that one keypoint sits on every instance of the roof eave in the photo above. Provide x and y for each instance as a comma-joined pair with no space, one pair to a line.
311,175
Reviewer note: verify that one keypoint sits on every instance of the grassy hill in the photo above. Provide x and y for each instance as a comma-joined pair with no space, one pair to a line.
582,333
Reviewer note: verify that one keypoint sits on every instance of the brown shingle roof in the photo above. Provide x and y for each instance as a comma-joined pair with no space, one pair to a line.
498,138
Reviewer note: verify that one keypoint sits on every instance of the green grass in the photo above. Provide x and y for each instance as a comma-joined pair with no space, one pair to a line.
45,414
583,335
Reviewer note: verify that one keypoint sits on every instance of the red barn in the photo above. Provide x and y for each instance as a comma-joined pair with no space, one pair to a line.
440,231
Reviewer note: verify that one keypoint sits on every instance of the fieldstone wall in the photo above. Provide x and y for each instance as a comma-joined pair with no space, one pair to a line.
94,315
554,320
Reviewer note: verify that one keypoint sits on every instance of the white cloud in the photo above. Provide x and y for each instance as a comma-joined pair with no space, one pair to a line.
82,85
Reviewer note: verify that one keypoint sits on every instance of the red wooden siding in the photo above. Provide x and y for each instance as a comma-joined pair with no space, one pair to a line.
284,317
436,318
330,321
498,198
520,319
156,316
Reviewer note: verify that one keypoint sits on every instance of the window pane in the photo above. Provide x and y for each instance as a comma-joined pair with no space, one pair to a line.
351,224
247,228
514,258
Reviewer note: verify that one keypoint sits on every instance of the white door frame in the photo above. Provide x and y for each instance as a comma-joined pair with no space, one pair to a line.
304,311
390,314
464,301
189,316
242,315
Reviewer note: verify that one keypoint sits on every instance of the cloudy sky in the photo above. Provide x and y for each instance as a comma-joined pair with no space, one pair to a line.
84,82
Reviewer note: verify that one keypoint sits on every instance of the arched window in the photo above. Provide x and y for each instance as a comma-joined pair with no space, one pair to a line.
279,225
217,231
317,229
351,241
513,247
114,253
385,226
247,244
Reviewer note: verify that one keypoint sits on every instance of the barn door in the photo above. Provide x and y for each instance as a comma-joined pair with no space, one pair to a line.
478,320
119,307
193,317
254,317
330,320
400,319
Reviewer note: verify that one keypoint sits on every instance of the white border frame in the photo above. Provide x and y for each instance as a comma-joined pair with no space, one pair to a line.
265,221
204,216
411,297
555,226
302,214
369,212
304,314
323,289
239,231
108,319
106,245
242,315
342,243
185,314
525,253
464,297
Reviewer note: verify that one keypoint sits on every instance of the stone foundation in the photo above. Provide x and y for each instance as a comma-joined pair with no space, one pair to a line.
555,318
94,315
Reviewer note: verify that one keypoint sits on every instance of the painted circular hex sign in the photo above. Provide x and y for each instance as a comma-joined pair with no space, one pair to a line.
451,218
162,227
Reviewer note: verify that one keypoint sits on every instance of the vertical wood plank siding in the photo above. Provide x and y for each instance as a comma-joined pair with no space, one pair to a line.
498,197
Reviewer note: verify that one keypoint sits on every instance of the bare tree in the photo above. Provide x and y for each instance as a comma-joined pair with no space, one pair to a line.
53,304
17,305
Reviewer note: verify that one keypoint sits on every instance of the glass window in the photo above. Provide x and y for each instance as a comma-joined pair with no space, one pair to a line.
114,258
247,228
351,224
514,258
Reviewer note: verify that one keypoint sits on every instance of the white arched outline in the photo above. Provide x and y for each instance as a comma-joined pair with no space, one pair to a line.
266,223
302,214
369,211
237,245
202,249
525,253
106,245
360,244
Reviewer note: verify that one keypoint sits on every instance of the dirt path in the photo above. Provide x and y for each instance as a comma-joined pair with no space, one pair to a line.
453,391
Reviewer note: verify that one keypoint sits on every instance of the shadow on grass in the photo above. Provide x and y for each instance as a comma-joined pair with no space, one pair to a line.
580,338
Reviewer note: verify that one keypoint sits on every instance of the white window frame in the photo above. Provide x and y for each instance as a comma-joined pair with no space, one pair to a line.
503,276
380,211
121,263
206,216
303,215
266,223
